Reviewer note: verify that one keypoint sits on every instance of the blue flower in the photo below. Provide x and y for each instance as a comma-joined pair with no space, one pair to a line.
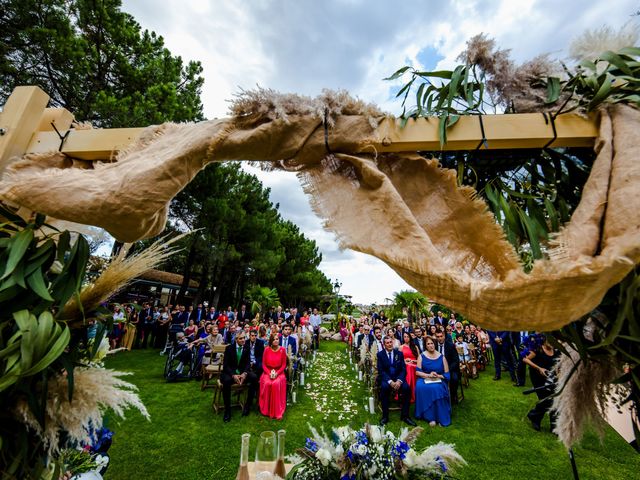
400,450
442,464
311,445
348,476
361,438
350,456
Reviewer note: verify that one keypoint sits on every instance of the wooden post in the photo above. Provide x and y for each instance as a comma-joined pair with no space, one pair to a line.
19,120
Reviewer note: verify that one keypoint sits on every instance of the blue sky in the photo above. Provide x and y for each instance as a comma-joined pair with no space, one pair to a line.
303,46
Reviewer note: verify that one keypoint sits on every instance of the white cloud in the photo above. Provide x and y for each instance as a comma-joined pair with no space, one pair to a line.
305,45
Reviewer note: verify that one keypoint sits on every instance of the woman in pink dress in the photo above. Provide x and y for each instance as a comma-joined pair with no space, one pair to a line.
410,353
273,383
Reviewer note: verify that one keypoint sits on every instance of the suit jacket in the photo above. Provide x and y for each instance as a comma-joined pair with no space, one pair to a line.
230,365
503,335
451,354
244,316
182,318
419,343
258,351
290,341
391,371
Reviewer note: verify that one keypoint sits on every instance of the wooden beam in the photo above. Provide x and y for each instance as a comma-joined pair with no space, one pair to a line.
60,117
512,131
18,121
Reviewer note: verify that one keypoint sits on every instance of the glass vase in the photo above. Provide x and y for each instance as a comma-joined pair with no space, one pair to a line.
243,471
279,469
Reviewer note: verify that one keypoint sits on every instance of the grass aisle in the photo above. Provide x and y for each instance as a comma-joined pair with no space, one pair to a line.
186,440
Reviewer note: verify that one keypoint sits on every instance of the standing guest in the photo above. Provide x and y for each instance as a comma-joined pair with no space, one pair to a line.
116,331
162,328
410,353
406,328
236,370
392,374
440,320
315,320
432,393
541,358
383,317
244,315
273,383
223,319
501,347
200,314
130,328
146,319
445,347
212,315
191,315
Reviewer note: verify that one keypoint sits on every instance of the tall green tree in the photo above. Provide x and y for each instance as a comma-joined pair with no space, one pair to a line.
97,62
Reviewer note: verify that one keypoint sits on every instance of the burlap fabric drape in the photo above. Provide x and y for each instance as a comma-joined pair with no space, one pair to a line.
402,209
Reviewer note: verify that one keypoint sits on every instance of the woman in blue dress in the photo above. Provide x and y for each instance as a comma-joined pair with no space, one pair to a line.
432,390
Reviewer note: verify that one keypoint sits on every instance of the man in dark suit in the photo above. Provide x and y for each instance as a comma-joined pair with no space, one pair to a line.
199,314
212,315
146,319
286,340
244,315
445,347
392,375
419,339
501,347
256,351
236,369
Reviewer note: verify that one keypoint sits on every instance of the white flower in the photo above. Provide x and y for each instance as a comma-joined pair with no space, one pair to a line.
376,433
102,350
361,450
411,458
372,471
380,449
339,451
342,433
324,456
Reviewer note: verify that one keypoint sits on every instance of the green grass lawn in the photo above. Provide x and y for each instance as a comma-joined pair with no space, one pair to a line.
186,440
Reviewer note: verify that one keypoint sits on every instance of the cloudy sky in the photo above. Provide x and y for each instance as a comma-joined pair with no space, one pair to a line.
304,46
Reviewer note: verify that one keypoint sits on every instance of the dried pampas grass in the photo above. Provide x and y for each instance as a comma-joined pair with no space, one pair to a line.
120,272
95,390
592,43
583,395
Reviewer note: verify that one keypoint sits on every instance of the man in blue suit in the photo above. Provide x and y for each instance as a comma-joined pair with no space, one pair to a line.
501,347
392,375
287,340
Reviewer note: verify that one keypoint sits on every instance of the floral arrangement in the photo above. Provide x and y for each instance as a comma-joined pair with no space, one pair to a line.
371,453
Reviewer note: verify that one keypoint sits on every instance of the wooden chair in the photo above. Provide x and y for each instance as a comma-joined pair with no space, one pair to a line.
473,363
238,392
211,370
464,367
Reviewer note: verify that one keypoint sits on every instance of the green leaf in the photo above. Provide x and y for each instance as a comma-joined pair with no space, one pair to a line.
446,74
601,94
553,90
532,236
631,51
19,246
552,214
36,282
616,60
398,73
54,352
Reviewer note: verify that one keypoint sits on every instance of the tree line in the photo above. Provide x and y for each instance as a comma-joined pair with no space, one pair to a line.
97,62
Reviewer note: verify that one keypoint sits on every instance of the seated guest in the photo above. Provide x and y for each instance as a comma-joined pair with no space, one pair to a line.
273,383
191,330
263,336
419,339
377,339
207,343
392,375
286,340
236,370
432,392
256,352
445,347
463,346
410,353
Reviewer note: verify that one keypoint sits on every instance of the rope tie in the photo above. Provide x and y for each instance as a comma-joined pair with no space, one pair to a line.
62,138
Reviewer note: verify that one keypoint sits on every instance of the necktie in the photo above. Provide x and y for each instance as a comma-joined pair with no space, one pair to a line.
440,348
239,354
391,358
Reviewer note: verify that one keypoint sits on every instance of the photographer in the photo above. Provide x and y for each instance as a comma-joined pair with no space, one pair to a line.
541,357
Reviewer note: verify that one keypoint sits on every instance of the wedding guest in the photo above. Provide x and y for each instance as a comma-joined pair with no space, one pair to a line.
191,330
273,383
262,333
419,339
377,335
501,347
410,353
162,328
392,375
316,321
256,352
236,370
445,347
130,329
286,340
432,393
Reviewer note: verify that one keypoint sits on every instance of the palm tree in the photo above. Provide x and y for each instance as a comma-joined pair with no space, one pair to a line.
411,301
263,298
